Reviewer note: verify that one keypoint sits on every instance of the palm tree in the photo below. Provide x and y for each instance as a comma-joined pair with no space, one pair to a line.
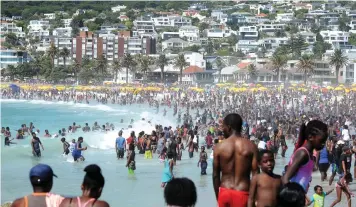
128,63
161,62
306,65
220,65
76,67
278,62
252,71
117,67
181,64
338,59
11,71
52,53
37,64
144,64
64,53
101,66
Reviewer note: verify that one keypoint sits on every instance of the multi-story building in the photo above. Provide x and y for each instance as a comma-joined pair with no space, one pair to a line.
10,27
329,22
162,22
50,16
38,28
218,33
63,32
338,39
248,33
177,43
270,28
194,58
12,57
169,35
67,22
178,21
189,32
111,46
60,43
273,42
247,45
285,17
144,26
309,37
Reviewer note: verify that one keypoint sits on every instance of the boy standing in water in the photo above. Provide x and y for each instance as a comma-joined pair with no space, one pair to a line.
265,186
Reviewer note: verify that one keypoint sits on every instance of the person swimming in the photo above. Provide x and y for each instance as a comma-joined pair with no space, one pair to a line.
8,141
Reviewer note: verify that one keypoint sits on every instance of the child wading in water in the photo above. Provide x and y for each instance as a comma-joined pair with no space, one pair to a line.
312,136
343,186
265,187
319,196
168,169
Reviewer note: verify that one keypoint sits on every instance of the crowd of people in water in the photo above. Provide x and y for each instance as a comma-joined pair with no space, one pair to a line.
245,133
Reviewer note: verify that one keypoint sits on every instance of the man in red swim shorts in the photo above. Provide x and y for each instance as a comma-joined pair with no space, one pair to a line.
235,158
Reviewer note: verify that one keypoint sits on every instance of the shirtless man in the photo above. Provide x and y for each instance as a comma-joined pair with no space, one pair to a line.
235,158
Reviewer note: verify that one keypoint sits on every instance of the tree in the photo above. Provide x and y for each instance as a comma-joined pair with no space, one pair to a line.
219,65
37,65
76,67
209,48
101,67
117,67
338,59
306,65
232,39
162,61
203,26
128,63
280,33
11,71
252,72
144,64
278,63
11,38
181,64
64,53
52,53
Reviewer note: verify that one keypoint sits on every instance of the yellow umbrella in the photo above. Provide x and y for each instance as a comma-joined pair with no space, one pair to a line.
338,89
353,89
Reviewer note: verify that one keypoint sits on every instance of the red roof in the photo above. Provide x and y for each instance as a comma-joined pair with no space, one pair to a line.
123,17
243,65
262,15
193,69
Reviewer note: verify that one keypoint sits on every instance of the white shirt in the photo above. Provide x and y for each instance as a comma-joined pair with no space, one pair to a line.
261,145
345,135
71,146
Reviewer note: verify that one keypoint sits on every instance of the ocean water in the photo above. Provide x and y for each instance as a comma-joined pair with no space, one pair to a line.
120,189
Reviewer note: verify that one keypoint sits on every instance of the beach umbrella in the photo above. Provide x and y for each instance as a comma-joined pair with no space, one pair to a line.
14,88
338,89
324,90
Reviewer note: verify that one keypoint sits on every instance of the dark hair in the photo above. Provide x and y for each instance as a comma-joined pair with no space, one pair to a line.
234,121
80,138
120,133
262,152
316,187
180,192
313,128
93,180
63,139
291,195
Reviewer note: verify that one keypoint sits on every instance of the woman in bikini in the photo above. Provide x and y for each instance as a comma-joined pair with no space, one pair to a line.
92,187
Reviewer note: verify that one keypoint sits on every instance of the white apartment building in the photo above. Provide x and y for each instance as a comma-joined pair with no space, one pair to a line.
248,33
218,33
10,27
285,17
38,33
144,26
175,43
273,42
67,22
180,21
169,35
190,32
195,59
162,22
60,43
348,73
63,32
247,45
50,16
12,57
309,37
38,25
335,38
270,28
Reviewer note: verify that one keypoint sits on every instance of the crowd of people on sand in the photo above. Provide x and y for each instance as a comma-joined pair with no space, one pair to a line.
244,133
